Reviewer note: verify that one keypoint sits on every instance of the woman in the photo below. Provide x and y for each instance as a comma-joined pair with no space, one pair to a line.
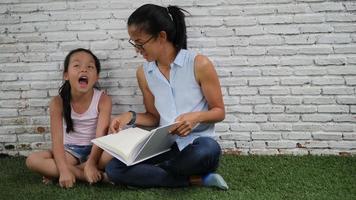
177,85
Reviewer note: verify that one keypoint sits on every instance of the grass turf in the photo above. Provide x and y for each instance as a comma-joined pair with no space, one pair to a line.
249,177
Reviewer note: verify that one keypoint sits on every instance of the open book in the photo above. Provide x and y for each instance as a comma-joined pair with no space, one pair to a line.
134,145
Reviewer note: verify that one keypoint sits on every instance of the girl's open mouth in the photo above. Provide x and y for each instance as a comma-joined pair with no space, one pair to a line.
83,81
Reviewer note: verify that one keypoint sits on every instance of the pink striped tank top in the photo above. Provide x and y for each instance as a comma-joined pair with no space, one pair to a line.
84,124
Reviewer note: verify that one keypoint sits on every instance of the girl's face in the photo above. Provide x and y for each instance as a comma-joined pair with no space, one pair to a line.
145,44
82,73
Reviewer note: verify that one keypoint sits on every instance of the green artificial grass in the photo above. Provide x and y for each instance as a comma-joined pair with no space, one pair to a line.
249,177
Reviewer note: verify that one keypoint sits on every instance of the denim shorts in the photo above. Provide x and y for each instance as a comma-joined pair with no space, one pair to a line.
81,152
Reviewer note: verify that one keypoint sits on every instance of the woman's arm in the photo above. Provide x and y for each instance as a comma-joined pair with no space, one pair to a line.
90,170
208,80
149,118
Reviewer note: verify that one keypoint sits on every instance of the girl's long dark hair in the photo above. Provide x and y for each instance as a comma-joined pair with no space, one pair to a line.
152,19
64,90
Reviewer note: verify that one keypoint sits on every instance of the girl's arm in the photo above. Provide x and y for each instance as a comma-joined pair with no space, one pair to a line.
149,118
90,170
208,80
66,178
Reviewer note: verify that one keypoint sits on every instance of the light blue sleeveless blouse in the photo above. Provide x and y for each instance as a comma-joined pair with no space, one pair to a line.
181,94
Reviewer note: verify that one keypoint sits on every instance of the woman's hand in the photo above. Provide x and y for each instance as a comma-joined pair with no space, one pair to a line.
186,123
66,179
118,123
91,173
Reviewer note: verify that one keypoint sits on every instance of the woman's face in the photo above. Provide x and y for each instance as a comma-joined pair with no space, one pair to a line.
145,44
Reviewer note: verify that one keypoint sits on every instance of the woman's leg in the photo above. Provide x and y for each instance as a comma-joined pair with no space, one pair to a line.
198,158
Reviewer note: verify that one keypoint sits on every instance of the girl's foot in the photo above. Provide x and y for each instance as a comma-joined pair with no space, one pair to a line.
46,180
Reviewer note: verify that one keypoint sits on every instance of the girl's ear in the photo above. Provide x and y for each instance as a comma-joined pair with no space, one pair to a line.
65,76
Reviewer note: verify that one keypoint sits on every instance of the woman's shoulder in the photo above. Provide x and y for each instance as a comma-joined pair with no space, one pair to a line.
202,62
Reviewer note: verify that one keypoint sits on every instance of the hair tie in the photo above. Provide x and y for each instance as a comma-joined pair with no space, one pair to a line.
169,14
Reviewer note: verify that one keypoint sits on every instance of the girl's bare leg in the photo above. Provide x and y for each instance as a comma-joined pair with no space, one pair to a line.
43,163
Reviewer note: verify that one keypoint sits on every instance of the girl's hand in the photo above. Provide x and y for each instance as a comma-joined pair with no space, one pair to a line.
186,123
118,123
91,173
66,179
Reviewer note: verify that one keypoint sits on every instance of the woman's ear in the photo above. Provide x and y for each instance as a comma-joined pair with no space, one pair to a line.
162,35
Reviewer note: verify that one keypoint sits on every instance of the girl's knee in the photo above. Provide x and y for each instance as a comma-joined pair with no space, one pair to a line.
31,160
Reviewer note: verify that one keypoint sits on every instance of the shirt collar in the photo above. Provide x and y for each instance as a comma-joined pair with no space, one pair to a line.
178,61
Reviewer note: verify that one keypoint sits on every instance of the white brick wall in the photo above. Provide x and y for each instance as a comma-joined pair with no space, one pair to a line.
287,68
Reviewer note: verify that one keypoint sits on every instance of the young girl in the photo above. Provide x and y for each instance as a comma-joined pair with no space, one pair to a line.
77,115
177,85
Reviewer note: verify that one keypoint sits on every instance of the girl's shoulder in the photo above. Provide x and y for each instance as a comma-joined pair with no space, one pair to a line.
56,103
105,99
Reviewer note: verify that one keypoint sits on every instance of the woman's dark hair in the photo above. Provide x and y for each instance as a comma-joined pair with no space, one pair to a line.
64,90
152,19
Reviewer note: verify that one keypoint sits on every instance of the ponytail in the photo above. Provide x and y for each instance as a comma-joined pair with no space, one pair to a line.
180,41
64,92
153,19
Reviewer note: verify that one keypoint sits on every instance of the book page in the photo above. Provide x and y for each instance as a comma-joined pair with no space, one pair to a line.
159,142
124,142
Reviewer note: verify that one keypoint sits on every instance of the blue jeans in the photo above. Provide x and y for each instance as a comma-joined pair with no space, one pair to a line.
81,152
170,169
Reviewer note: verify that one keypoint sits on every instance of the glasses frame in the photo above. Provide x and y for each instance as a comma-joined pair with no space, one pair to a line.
140,46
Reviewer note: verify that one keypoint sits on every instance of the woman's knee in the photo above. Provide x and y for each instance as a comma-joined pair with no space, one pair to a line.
114,170
208,146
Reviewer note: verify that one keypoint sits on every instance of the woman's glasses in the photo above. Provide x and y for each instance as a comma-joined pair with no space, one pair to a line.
139,46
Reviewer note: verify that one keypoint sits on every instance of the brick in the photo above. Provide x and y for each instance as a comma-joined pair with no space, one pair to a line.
316,118
319,100
333,127
274,91
295,81
276,126
309,18
252,118
327,6
243,127
324,28
242,91
328,81
326,136
306,127
265,40
236,136
296,135
254,100
338,90
249,51
330,61
283,118
346,100
282,144
265,136
286,100
263,81
268,109
344,118
281,29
